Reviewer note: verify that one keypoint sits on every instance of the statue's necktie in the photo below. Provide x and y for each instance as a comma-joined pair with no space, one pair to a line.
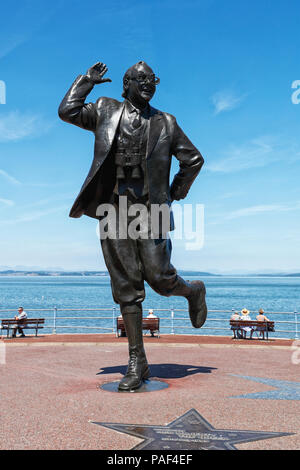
137,120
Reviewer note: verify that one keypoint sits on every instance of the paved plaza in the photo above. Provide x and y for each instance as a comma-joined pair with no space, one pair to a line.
239,394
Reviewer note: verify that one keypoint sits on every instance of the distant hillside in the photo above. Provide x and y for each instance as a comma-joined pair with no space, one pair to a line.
275,275
293,275
11,272
195,273
181,272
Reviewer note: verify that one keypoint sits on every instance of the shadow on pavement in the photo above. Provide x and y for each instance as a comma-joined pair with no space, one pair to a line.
163,371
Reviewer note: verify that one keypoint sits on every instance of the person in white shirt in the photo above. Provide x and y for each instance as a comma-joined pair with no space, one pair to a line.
151,314
236,329
246,316
22,315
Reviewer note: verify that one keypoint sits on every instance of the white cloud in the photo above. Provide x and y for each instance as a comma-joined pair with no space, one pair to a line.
226,101
256,153
21,22
34,215
261,209
56,197
16,126
6,202
9,178
10,44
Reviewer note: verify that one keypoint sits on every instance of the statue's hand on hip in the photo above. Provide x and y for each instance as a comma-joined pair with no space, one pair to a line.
96,72
176,192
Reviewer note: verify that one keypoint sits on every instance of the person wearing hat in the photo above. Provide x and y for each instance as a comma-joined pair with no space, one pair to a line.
245,316
151,314
262,318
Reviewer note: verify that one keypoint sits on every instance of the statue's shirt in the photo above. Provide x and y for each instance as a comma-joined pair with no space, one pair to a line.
130,152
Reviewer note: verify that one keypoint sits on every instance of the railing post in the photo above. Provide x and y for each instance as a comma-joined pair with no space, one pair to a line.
114,318
172,321
54,321
296,324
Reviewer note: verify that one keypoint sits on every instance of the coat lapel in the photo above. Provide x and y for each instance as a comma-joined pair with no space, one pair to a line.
155,128
112,124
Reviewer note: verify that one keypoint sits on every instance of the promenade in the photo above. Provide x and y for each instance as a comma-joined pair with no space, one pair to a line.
51,397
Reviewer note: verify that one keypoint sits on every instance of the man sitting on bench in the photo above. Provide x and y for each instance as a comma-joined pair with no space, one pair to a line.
151,315
22,315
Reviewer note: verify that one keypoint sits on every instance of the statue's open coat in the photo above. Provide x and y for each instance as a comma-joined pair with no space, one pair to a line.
164,140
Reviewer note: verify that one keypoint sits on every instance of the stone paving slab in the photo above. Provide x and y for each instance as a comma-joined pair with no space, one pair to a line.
50,395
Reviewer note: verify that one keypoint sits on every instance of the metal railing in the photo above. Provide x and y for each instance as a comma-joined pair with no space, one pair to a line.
217,320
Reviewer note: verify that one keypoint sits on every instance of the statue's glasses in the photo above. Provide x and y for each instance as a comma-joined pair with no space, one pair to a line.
143,79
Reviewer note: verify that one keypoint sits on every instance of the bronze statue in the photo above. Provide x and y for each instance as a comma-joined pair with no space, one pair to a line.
134,144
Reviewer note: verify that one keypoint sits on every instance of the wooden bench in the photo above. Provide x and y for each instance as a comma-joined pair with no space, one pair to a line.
267,325
26,324
149,324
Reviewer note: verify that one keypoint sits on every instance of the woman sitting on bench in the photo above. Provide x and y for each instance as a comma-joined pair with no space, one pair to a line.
246,316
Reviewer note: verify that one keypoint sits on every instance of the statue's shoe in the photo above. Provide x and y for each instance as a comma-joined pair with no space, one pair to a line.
138,370
197,304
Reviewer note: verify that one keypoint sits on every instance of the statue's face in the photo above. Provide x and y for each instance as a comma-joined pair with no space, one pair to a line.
142,84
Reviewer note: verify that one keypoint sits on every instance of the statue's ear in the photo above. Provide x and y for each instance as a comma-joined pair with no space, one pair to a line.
126,83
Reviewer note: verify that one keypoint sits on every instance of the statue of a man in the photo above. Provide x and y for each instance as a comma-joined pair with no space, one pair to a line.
134,145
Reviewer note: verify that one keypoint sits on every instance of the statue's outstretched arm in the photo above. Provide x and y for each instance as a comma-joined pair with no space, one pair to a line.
73,108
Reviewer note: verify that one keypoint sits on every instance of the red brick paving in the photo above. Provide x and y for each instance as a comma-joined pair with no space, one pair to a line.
49,389
107,338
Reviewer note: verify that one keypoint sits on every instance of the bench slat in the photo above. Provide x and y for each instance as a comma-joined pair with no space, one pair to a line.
251,323
27,324
151,324
10,321
269,326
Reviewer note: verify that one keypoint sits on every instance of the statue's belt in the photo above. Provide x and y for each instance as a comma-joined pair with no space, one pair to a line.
128,159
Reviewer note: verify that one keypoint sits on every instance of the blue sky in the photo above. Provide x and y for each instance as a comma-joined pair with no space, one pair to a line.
226,71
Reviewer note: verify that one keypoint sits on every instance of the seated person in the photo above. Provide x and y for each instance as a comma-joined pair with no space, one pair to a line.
151,314
235,329
123,332
246,316
22,315
261,317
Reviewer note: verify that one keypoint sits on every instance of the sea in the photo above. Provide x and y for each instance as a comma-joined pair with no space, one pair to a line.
84,304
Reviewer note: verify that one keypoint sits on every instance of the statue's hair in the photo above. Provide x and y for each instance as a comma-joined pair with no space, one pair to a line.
128,75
